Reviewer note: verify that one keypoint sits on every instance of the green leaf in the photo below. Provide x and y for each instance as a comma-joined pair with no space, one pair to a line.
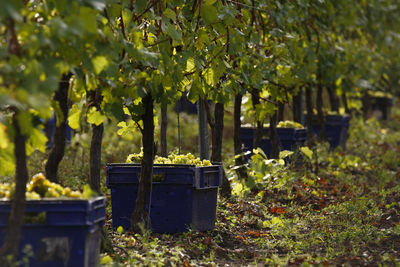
95,117
209,76
88,18
7,160
37,141
11,9
169,13
209,2
190,64
120,229
127,16
237,189
285,153
276,221
99,63
209,14
259,151
307,152
173,33
74,119
106,260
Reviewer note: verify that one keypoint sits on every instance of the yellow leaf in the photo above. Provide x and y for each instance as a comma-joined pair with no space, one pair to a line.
190,64
74,119
95,117
106,260
99,63
307,152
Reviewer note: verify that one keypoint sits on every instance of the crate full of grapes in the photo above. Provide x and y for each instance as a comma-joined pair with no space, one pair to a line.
61,227
183,195
290,136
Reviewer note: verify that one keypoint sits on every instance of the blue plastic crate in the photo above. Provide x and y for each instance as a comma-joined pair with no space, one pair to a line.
184,105
289,138
336,127
69,236
182,196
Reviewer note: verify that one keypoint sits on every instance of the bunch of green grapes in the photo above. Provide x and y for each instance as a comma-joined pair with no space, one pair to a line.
39,187
44,188
289,124
7,190
189,159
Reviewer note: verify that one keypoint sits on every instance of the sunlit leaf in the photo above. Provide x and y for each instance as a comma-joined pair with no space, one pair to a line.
37,141
74,119
307,152
106,260
95,117
99,63
285,153
190,64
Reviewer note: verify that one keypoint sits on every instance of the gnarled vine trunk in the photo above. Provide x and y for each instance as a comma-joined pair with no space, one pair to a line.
281,111
95,145
333,98
216,150
15,221
140,216
366,105
344,101
95,156
60,130
298,112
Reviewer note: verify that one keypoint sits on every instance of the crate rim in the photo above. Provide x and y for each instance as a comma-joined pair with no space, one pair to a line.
214,164
49,200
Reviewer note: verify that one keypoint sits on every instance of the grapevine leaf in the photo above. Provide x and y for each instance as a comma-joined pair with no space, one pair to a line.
173,33
209,14
285,153
74,119
190,64
169,13
307,152
95,117
106,260
99,63
88,18
37,140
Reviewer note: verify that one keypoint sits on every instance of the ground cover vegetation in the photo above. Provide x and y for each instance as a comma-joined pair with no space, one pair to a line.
108,68
335,208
